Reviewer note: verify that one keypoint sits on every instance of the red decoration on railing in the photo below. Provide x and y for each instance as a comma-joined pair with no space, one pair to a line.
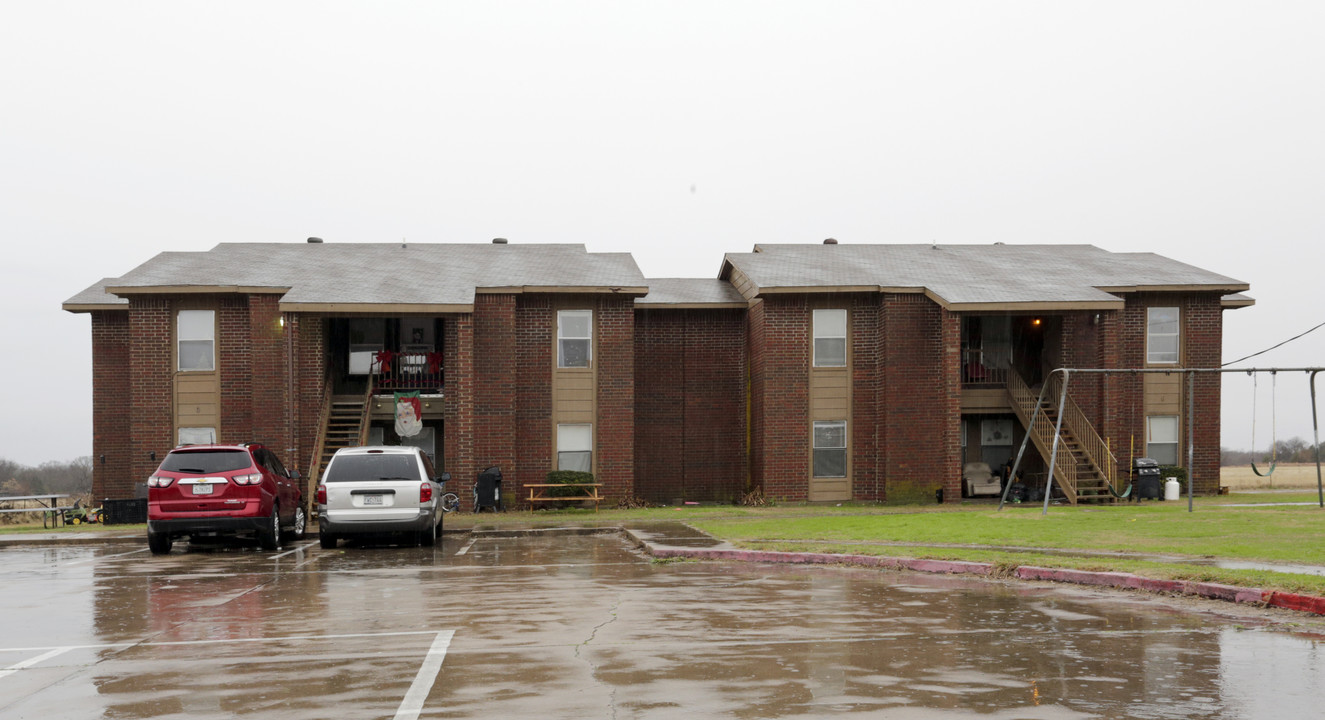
435,363
383,359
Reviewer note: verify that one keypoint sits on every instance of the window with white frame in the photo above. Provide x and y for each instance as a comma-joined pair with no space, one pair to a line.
195,333
574,338
575,447
830,338
1162,439
1162,335
830,448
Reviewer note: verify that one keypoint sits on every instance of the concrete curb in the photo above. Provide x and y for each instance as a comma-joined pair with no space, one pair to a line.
1122,581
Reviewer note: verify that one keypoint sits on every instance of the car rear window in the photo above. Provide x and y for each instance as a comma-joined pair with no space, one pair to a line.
351,468
206,461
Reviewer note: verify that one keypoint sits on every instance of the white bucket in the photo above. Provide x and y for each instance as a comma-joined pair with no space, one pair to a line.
1172,490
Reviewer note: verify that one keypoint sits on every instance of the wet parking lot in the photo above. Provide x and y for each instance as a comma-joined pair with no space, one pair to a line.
588,627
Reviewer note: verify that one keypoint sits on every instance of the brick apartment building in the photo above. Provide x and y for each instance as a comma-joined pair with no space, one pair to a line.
813,372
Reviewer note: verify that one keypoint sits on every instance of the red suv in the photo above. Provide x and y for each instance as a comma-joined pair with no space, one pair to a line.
210,490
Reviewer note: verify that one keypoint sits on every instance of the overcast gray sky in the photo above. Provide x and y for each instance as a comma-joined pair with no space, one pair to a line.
675,131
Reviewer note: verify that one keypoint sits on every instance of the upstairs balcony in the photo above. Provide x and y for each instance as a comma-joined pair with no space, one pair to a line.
407,370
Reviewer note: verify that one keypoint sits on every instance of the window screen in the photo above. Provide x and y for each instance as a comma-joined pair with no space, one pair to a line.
196,333
830,338
575,447
830,449
574,338
1162,335
1162,445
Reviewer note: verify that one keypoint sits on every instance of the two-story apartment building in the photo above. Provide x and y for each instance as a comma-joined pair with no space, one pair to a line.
814,372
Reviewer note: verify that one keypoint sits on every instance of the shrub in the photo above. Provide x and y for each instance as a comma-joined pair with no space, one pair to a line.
567,477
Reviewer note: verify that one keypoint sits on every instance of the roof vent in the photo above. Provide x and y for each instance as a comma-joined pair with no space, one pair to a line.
499,241
315,241
830,241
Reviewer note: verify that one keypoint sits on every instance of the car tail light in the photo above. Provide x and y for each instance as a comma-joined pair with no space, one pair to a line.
253,479
425,492
321,494
159,481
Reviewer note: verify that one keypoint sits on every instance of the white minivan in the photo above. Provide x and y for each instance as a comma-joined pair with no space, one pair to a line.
379,491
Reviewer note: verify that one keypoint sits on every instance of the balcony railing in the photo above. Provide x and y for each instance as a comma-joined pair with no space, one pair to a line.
408,370
980,370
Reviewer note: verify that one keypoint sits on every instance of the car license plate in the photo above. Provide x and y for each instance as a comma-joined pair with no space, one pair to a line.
202,489
372,499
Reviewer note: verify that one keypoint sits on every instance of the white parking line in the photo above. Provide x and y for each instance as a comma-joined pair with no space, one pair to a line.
6,672
294,550
412,705
467,546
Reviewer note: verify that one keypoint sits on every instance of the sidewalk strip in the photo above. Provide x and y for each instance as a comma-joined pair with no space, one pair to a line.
412,705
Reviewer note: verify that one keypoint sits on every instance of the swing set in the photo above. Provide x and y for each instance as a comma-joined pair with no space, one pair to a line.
1191,374
1274,429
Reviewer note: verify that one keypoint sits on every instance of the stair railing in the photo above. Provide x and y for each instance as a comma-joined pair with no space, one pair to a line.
1065,464
315,463
1092,445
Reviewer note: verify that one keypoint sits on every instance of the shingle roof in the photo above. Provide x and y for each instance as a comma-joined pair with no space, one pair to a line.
966,275
346,274
664,292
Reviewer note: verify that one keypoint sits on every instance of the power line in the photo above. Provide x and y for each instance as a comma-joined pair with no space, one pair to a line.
1268,349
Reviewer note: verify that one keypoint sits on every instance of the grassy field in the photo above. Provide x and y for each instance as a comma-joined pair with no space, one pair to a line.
1299,475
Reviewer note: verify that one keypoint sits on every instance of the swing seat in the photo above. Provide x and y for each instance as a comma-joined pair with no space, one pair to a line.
1267,473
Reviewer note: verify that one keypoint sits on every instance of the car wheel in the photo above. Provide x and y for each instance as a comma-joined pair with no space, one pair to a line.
158,543
270,538
428,537
326,540
300,524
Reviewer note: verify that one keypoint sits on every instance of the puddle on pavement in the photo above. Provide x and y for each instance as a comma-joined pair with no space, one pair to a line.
584,627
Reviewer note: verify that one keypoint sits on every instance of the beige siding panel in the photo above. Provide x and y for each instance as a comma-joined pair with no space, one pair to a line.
195,398
829,489
195,384
198,400
1163,394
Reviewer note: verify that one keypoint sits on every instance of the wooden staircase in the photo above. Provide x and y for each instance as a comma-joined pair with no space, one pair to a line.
344,424
1084,469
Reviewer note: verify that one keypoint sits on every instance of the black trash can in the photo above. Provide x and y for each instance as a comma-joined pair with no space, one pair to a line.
487,490
1146,484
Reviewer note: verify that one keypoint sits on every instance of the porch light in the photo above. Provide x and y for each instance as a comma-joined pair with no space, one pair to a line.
1036,322
282,321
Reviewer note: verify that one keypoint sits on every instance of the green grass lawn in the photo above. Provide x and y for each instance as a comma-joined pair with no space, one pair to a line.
1125,537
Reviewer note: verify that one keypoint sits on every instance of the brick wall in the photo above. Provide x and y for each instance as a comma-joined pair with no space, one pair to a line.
495,387
535,323
781,348
690,393
458,356
615,363
111,396
1203,345
267,362
866,381
920,400
151,424
234,362
308,337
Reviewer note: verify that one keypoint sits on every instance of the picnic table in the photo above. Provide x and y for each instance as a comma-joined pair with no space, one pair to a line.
538,492
45,505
